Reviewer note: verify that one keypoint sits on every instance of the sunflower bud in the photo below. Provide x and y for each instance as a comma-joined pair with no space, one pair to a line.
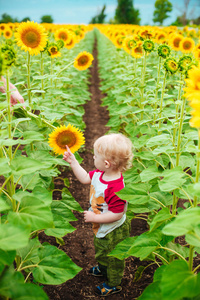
60,44
148,45
9,55
171,65
53,50
164,50
9,42
2,64
185,62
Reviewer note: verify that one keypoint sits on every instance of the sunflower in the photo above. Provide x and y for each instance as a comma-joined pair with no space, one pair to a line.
148,45
118,41
3,26
53,50
145,34
171,65
31,37
161,37
128,43
137,51
197,54
83,61
66,135
9,55
62,34
175,40
185,62
164,51
71,43
187,45
8,33
192,89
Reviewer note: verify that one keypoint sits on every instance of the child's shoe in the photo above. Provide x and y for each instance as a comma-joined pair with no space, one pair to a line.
95,271
105,290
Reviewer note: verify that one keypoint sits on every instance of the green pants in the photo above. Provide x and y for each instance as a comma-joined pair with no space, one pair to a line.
111,267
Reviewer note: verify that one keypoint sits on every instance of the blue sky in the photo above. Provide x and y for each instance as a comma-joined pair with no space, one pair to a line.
81,11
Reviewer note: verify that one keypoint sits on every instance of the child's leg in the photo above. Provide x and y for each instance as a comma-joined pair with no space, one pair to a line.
103,246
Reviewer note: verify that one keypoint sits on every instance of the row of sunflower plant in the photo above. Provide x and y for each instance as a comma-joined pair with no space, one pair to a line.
44,63
147,81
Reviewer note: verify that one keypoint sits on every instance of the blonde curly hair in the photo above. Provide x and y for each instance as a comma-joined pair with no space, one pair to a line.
117,149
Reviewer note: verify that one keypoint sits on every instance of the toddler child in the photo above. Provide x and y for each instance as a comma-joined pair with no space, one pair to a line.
107,212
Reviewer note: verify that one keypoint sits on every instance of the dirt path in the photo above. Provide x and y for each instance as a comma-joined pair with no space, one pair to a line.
79,244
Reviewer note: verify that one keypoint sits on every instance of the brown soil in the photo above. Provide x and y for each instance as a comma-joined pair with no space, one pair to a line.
79,244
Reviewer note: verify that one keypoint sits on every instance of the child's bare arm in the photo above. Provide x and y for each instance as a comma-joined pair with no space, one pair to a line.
108,217
79,172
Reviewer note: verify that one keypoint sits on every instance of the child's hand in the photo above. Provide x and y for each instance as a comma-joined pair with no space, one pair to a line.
68,156
89,216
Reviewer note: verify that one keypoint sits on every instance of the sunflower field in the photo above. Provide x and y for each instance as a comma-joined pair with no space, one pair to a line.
150,77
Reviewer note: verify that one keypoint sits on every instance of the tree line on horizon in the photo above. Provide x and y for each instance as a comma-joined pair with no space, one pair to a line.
125,13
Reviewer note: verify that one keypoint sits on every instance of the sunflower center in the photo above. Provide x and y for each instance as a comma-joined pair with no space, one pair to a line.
161,37
173,65
149,45
53,50
66,138
83,60
187,45
31,39
63,36
138,49
177,42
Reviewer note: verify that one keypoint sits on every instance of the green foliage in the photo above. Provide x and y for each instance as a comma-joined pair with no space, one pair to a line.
125,13
25,19
46,19
5,18
162,8
173,281
100,18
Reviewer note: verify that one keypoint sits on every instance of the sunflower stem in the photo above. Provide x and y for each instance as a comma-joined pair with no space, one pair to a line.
180,120
42,119
29,79
161,100
197,169
51,72
8,94
180,132
67,66
143,82
10,184
42,72
191,254
157,87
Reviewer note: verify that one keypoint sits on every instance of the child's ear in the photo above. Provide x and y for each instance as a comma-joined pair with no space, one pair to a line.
107,164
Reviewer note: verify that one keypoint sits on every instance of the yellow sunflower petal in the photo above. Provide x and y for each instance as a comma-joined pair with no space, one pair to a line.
192,89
